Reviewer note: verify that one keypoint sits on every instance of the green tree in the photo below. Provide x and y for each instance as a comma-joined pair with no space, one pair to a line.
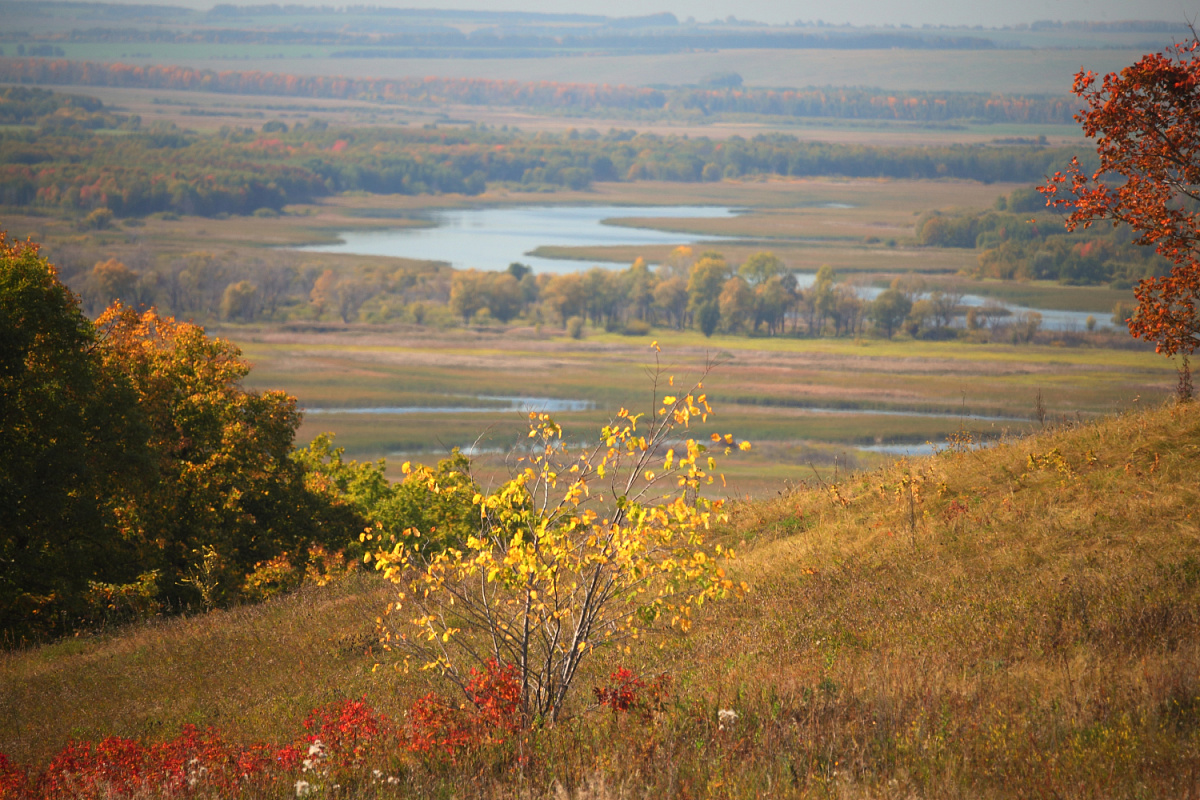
240,302
670,296
772,299
822,299
72,447
704,286
505,299
444,517
639,288
888,311
760,267
468,293
564,296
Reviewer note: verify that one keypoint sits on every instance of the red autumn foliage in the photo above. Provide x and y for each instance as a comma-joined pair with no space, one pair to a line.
342,741
628,692
1146,121
495,692
118,767
434,726
351,731
14,782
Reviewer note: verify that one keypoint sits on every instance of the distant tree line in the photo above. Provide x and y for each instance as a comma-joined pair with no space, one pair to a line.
67,160
841,103
688,290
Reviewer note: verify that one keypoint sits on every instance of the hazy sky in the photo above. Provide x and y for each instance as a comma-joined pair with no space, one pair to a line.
857,12
912,12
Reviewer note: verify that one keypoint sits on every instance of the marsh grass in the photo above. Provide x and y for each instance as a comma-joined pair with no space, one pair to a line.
1019,621
764,388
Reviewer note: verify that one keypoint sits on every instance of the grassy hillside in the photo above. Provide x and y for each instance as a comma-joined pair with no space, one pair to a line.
1016,621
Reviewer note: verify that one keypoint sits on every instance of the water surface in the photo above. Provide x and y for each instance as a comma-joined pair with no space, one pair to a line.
493,238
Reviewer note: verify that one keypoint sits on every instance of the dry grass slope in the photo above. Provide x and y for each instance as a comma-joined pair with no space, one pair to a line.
1020,621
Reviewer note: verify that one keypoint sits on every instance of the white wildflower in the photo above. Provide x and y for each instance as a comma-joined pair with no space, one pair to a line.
726,717
303,789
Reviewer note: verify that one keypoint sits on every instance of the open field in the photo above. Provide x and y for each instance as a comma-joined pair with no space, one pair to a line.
1012,617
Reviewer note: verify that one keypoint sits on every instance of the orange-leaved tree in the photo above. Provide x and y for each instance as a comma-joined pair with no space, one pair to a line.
226,482
1146,122
583,550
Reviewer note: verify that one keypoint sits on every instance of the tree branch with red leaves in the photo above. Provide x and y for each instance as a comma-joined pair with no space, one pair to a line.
1146,123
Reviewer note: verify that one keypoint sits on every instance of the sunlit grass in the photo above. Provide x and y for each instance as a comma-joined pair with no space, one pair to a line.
1023,608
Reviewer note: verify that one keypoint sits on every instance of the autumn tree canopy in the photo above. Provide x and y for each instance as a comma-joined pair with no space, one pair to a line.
128,449
1146,122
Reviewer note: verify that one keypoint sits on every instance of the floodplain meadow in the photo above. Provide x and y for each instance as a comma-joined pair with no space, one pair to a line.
806,403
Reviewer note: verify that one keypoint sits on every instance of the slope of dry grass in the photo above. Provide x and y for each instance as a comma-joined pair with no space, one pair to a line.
1021,621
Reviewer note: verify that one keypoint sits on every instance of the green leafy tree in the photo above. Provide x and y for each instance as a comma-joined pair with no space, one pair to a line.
707,278
132,461
888,311
822,299
437,501
736,304
761,267
468,293
72,447
671,297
